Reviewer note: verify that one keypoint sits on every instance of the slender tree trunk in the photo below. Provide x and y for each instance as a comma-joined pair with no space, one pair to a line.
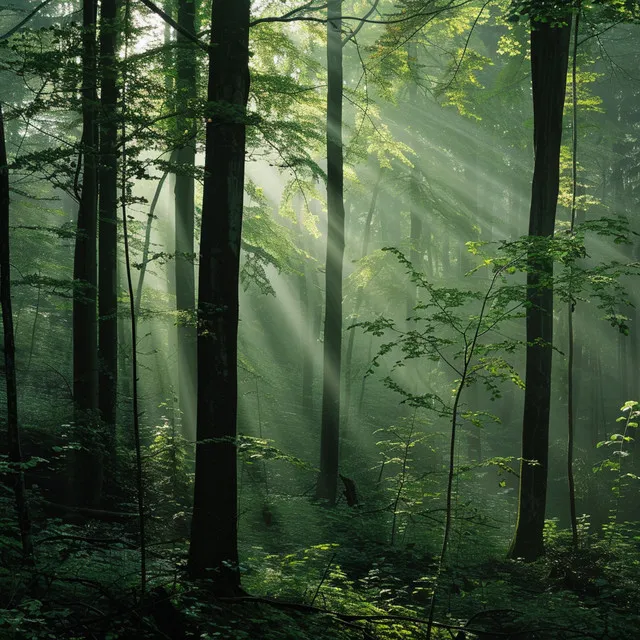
132,320
348,381
330,427
549,61
184,222
363,382
108,225
307,337
571,305
214,546
9,348
474,389
86,480
416,250
446,254
168,59
144,260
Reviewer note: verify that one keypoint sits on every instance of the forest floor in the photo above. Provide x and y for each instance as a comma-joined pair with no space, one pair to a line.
86,585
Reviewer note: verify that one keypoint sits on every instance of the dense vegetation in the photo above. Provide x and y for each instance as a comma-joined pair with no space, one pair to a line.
319,319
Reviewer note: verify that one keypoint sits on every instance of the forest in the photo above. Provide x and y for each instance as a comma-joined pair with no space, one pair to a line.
319,319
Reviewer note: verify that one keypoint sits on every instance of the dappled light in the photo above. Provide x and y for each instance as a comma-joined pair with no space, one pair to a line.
320,319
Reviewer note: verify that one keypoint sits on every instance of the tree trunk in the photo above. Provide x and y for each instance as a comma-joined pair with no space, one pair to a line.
307,337
108,226
330,427
146,245
214,551
86,478
9,348
348,382
416,250
184,222
549,61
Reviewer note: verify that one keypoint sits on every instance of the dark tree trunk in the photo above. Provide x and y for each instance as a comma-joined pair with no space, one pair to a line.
184,223
9,348
108,224
330,428
85,366
86,478
549,61
214,550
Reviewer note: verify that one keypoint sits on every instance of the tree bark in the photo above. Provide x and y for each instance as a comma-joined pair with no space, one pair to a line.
330,427
9,348
549,62
214,551
86,480
184,223
108,225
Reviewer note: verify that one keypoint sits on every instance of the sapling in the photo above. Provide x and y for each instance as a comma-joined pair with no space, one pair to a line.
618,442
396,449
444,322
452,326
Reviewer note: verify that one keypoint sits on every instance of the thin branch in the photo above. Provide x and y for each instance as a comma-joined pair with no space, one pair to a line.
466,46
386,21
354,33
21,24
290,14
172,23
324,575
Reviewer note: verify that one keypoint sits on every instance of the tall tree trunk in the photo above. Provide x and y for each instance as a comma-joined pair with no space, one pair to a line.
9,348
416,249
214,549
571,305
474,389
348,382
307,337
549,61
184,223
86,478
146,245
330,427
108,225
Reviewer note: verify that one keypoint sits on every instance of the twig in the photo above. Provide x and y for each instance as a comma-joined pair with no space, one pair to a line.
324,577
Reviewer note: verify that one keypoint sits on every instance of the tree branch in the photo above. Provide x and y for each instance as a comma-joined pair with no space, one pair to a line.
21,24
386,21
354,33
172,23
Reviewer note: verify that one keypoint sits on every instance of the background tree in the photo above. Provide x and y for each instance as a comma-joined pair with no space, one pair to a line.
16,470
186,93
